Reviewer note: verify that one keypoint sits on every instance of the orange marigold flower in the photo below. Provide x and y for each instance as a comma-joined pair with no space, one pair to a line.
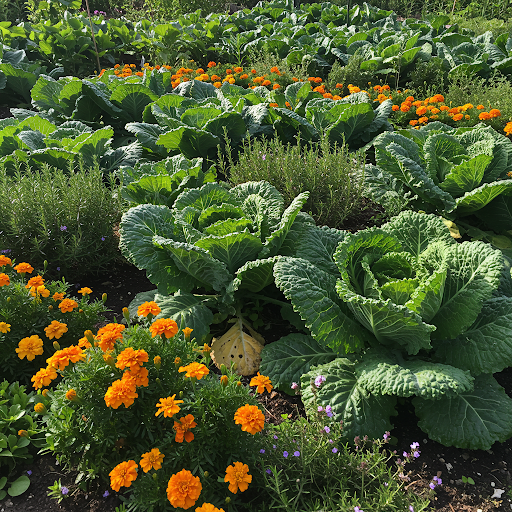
24,268
108,335
273,104
417,103
123,475
494,112
454,110
484,116
276,86
229,71
63,357
208,507
30,347
132,359
58,296
266,83
434,110
4,279
35,282
261,382
238,69
421,110
444,108
4,260
85,291
212,64
182,429
67,305
274,69
218,85
183,489
253,71
458,117
169,406
84,343
386,87
55,330
231,80
238,477
71,394
422,120
138,377
409,98
328,95
480,107
164,327
35,291
258,80
437,98
250,418
120,392
151,460
39,408
5,327
44,377
194,370
413,122
508,128
245,76
395,108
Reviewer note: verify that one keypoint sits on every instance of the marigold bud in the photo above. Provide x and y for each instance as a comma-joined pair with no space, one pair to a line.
177,361
157,380
50,307
206,474
224,380
39,408
56,345
126,315
180,394
80,310
223,369
238,384
104,298
157,361
228,499
22,433
155,476
109,360
44,392
90,336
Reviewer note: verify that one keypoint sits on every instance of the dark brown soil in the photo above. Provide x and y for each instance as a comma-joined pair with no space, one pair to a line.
490,470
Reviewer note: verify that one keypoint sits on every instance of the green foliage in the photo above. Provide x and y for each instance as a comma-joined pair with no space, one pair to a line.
458,173
19,430
57,491
330,175
351,73
414,314
69,218
86,434
28,315
222,242
320,471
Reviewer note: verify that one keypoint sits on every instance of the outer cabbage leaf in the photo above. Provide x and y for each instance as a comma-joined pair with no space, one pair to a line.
427,380
191,142
287,359
486,347
497,213
466,176
361,412
481,196
209,194
255,275
312,293
473,274
473,420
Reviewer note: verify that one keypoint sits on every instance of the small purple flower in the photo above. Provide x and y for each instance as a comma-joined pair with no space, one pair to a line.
432,485
328,411
274,446
319,380
405,454
262,450
411,508
335,450
331,441
264,157
275,437
106,494
29,472
63,228
357,509
285,454
268,471
96,13
416,454
102,238
385,484
5,251
414,446
294,385
320,408
58,269
327,429
438,480
296,453
64,490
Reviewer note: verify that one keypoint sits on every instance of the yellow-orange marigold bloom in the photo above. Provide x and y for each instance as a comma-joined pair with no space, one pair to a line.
421,110
71,394
84,343
480,107
276,86
120,392
67,305
218,85
24,268
194,370
212,64
395,108
55,330
238,69
108,335
151,460
4,260
4,279
182,429
30,347
229,71
423,119
23,433
250,418
484,116
35,282
208,507
261,382
58,296
508,128
137,378
5,327
183,489
132,359
494,112
458,117
44,377
266,83
413,122
63,357
39,290
39,408
164,327
244,76
85,291
405,107
169,406
238,477
123,475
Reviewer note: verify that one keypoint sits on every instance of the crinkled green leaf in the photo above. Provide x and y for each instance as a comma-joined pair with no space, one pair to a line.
474,420
361,412
132,100
481,196
426,299
191,142
210,194
486,347
287,359
466,176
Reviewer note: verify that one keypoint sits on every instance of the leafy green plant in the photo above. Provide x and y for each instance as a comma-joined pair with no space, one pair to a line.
309,467
25,312
86,433
403,310
467,480
69,218
330,175
214,250
458,173
57,491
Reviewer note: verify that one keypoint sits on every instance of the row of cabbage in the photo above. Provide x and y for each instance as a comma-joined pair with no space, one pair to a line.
315,36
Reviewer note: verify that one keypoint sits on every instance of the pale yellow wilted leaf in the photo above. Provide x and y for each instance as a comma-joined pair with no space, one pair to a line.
240,348
454,230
